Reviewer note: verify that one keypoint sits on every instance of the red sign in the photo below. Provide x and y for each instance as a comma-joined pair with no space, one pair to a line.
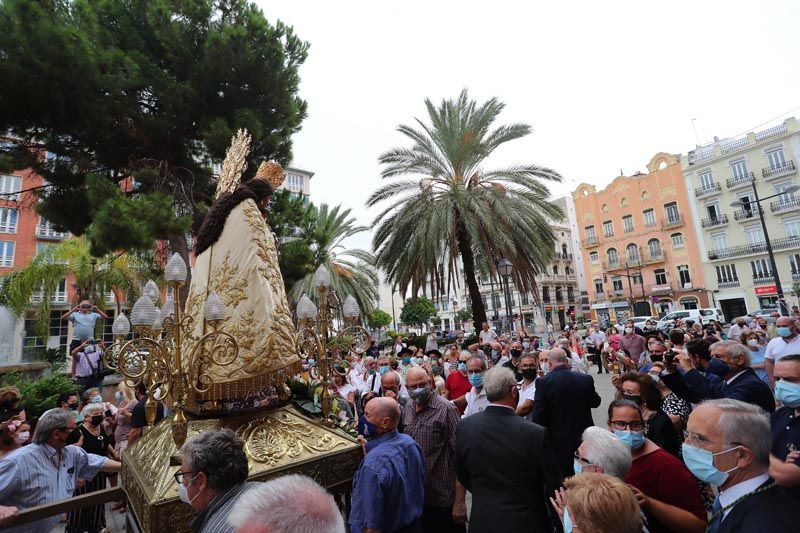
769,289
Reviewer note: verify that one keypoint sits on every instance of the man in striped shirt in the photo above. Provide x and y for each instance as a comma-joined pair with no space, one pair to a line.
47,470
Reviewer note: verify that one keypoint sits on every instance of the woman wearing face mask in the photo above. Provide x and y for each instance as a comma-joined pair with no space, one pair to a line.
677,408
658,427
98,442
14,433
664,487
752,339
10,399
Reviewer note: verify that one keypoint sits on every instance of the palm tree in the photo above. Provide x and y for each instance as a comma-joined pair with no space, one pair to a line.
352,271
92,278
451,207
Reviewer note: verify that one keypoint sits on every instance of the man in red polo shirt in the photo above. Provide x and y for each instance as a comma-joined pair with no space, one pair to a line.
457,384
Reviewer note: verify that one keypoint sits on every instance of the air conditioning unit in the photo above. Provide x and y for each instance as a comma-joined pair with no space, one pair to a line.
688,286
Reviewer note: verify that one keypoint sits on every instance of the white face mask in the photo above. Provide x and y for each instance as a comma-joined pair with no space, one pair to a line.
545,367
752,342
22,437
628,330
184,494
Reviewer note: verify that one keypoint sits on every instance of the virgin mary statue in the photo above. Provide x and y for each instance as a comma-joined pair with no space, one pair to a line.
236,257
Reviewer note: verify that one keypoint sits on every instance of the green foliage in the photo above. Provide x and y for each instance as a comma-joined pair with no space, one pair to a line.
148,89
436,320
40,394
292,221
796,288
464,314
379,319
451,208
417,312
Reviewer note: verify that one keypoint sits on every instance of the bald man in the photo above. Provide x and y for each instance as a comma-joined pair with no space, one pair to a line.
431,421
388,488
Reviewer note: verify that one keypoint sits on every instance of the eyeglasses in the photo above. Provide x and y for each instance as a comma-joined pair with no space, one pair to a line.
584,462
179,476
635,425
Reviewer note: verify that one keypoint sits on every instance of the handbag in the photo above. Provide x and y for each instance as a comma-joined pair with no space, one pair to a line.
100,371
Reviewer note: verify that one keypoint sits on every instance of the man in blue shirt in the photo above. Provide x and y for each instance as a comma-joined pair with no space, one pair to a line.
83,317
388,489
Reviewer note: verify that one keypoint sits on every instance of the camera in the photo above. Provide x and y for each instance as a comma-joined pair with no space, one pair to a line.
669,357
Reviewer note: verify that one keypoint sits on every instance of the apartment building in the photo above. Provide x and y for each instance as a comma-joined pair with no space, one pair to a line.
640,250
727,181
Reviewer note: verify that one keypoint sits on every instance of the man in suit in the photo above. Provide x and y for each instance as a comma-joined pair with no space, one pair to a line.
730,360
563,404
506,462
727,445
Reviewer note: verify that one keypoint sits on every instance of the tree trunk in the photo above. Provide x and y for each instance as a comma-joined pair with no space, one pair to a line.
468,259
177,243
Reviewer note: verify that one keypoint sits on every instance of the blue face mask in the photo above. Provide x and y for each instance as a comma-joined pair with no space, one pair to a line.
384,370
634,439
97,399
718,368
783,331
406,360
476,380
567,521
788,393
370,430
700,462
462,367
118,396
577,466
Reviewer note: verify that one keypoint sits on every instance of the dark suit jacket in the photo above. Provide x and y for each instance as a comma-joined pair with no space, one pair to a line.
694,387
563,404
771,511
507,463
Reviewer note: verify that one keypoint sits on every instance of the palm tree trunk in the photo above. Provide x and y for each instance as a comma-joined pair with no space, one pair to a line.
468,259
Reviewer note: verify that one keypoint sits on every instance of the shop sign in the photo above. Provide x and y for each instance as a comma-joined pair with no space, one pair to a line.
768,289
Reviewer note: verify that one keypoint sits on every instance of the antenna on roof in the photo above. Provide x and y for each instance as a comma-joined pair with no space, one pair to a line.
696,137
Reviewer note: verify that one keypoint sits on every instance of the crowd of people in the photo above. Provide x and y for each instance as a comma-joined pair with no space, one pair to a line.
497,435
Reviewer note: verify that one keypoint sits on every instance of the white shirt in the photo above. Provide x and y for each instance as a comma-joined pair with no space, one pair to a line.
372,383
735,331
476,401
355,380
487,336
577,365
731,494
778,348
526,393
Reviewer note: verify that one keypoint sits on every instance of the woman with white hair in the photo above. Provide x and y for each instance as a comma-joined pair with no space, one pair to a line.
98,442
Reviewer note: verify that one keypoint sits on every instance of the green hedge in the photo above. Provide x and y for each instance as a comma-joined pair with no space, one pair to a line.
40,394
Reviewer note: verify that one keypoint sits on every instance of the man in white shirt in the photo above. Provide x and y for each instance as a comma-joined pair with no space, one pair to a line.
487,336
736,329
528,365
475,400
786,343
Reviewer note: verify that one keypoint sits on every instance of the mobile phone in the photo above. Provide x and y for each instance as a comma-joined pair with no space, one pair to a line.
108,412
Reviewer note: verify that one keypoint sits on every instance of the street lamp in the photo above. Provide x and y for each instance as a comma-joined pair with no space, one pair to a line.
738,203
505,268
455,314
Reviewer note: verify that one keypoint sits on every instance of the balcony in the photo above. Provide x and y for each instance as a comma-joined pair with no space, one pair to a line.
737,182
590,242
778,171
782,206
795,275
672,222
764,280
746,214
757,248
712,222
656,257
728,284
46,232
563,256
616,293
59,297
612,265
709,190
633,262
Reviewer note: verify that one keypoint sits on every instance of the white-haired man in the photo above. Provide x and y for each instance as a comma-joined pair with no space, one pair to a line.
47,470
603,452
288,504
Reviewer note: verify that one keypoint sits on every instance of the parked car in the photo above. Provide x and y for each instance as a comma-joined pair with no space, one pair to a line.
702,315
765,313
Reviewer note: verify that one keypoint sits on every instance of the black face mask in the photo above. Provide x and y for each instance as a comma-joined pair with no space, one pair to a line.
635,399
516,353
73,406
74,436
657,358
96,420
7,404
529,373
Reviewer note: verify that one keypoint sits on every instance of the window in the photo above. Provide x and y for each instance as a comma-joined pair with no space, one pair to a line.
616,282
598,287
590,234
776,159
755,235
495,301
684,277
671,211
719,241
637,279
570,294
294,182
594,257
567,271
712,209
649,218
633,253
627,223
10,187
784,198
557,292
545,294
8,220
6,253
706,179
677,240
612,256
523,298
654,248
661,276
445,304
794,262
791,226
727,274
761,269
739,169
555,270
608,228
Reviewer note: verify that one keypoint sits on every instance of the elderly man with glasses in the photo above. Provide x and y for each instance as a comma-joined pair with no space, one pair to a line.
47,470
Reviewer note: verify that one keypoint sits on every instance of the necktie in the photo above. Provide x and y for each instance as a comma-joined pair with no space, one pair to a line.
713,525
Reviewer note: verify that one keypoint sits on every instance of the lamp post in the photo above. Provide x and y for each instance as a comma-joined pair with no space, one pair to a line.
779,288
455,314
505,268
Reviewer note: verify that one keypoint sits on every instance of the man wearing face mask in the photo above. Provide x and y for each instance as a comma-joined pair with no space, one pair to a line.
727,445
563,404
786,343
513,364
390,387
47,470
632,342
730,360
475,400
431,421
506,462
527,389
212,476
388,487
784,459
457,384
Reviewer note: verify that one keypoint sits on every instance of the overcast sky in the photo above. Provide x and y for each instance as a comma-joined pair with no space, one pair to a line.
605,85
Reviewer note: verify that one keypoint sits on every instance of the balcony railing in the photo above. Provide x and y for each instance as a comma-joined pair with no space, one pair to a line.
708,190
795,275
672,222
46,232
728,284
611,265
778,171
656,257
745,214
711,222
781,206
763,280
590,241
634,261
737,182
563,256
758,248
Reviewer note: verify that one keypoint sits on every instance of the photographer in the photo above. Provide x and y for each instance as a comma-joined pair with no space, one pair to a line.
87,363
730,360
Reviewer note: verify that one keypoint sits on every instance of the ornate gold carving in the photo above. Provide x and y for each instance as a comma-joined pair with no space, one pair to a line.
282,438
235,163
272,172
